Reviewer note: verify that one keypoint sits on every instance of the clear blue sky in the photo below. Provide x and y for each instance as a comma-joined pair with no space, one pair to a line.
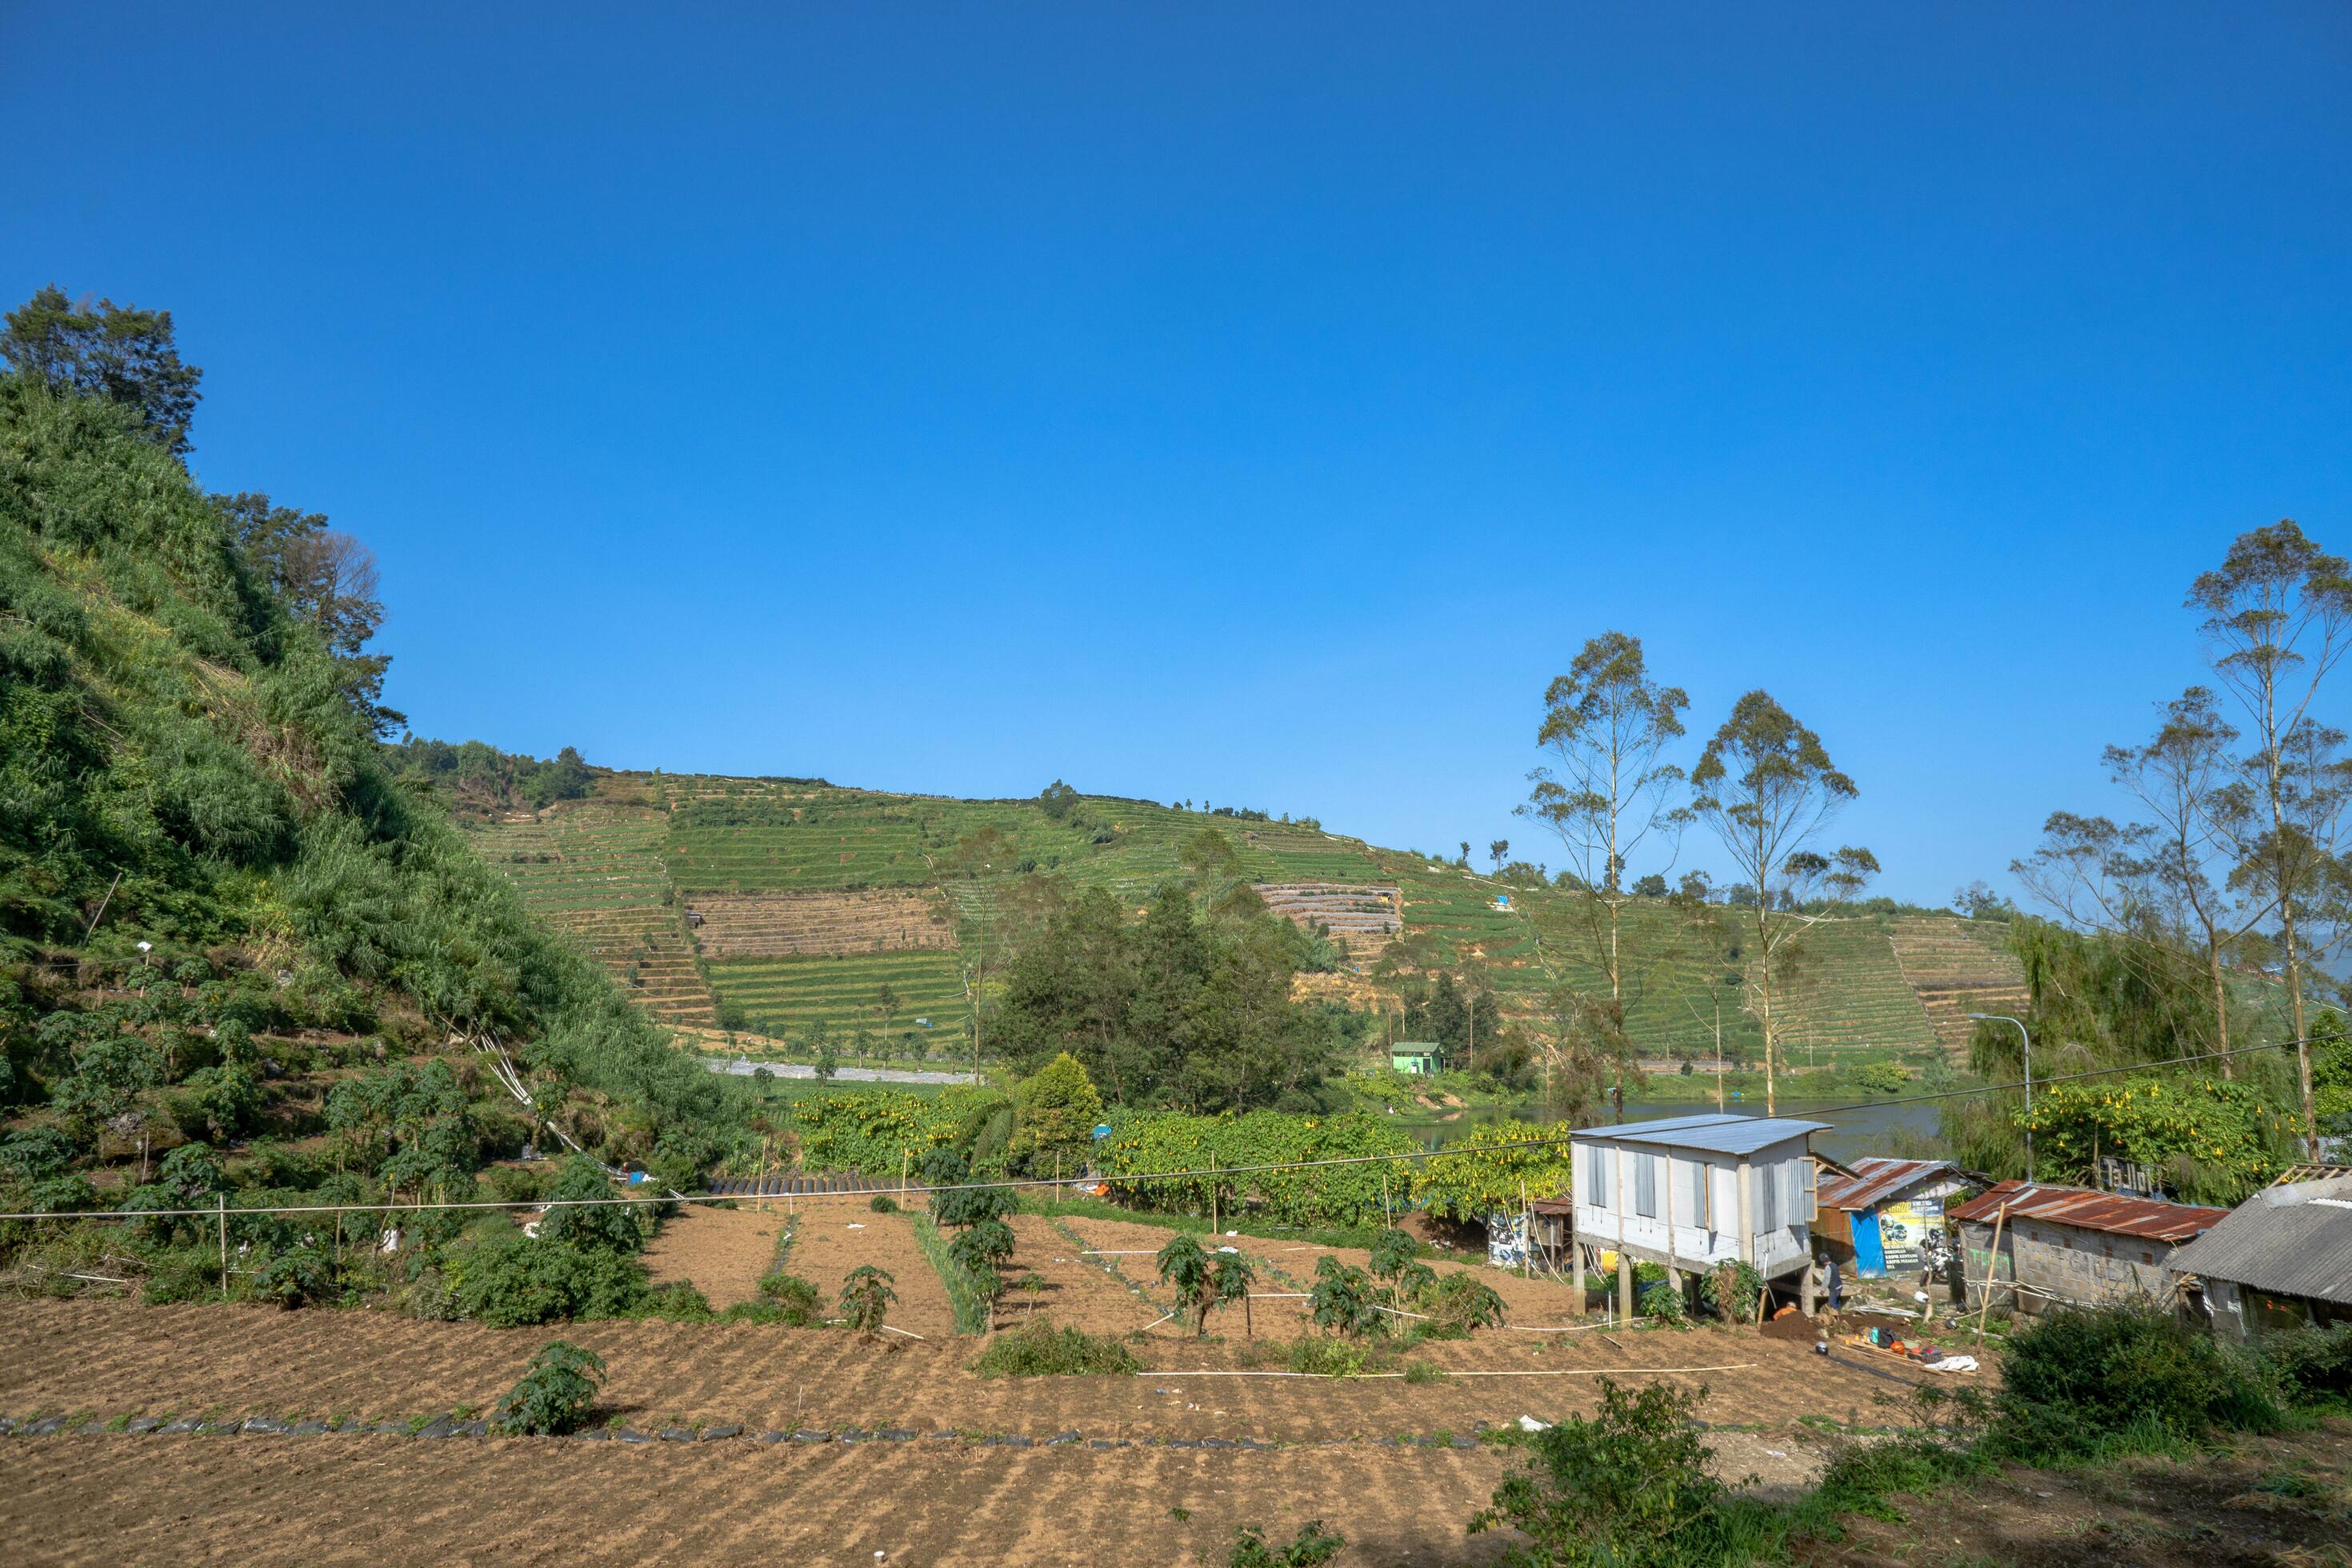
1254,404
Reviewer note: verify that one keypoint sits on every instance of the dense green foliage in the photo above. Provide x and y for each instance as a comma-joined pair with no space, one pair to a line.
1496,1170
1627,1487
554,1395
479,779
217,897
1310,1548
883,1132
1334,1195
1040,1350
2080,1382
1185,1007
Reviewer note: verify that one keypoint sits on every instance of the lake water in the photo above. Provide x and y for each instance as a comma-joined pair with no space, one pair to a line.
1855,1131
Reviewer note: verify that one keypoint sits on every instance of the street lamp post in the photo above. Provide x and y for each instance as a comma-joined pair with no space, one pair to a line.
2005,1018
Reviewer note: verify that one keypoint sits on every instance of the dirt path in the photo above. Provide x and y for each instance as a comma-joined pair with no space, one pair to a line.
832,1236
722,1251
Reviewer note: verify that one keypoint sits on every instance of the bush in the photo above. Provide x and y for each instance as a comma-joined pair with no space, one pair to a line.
1662,1303
1038,1350
512,1281
1310,1548
2310,1366
1335,1358
883,1204
555,1393
295,1277
1456,1303
795,1301
1344,1299
1628,1487
613,1227
1730,1289
865,1297
675,1302
2080,1383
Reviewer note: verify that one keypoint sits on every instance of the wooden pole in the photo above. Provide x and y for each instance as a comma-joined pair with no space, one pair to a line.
1625,1283
222,1199
1993,1267
1576,1252
1212,1194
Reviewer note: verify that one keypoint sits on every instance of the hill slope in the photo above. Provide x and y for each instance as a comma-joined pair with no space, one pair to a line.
806,900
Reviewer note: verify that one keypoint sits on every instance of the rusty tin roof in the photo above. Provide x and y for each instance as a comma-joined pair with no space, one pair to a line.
1876,1179
2087,1210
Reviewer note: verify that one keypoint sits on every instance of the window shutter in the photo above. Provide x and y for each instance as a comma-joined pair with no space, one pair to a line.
1810,1176
1646,1185
1768,1192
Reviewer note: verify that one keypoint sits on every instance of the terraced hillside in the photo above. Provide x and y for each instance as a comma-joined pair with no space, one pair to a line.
595,872
1956,968
814,898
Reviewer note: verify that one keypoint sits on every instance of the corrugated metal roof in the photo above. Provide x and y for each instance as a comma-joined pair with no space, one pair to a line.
1876,1179
2281,1241
1717,1132
2089,1210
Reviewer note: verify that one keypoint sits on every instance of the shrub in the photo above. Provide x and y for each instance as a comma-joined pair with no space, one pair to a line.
1730,1289
1457,1303
294,1278
1343,1299
1310,1548
1662,1303
36,1152
2080,1383
865,1297
675,1302
613,1227
796,1301
512,1281
554,1395
1335,1358
1628,1487
2311,1366
1039,1350
883,1204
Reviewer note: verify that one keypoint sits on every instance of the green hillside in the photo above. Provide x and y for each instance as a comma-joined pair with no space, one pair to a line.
663,843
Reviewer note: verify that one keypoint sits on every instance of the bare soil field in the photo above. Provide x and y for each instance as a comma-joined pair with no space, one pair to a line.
115,1357
1078,1292
519,1502
722,1252
832,1236
1389,1463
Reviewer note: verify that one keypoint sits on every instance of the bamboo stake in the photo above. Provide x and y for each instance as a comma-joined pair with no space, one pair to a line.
222,1198
1993,1267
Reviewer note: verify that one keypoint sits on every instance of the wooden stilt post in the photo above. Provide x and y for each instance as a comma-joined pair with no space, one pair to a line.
1576,1252
1624,1284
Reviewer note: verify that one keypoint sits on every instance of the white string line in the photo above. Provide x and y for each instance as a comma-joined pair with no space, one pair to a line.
1015,1184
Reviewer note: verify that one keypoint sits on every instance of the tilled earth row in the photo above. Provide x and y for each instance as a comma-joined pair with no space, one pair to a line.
117,1356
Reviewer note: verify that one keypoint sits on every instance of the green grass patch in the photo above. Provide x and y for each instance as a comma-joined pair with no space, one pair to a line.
1040,1350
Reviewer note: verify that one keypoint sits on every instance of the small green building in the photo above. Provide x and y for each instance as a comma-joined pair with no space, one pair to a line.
1418,1057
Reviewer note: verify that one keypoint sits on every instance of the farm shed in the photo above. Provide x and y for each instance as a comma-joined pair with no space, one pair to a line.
1418,1057
2074,1245
1691,1191
1887,1215
2280,1259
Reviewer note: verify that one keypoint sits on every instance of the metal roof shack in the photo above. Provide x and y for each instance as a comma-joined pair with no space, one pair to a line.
2071,1245
1715,1132
1886,1216
2282,1256
1875,1179
2149,1219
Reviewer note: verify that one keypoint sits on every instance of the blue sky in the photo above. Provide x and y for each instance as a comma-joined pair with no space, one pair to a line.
1252,403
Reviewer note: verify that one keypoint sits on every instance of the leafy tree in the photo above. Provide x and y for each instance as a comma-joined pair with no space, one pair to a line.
1203,1279
1606,796
1766,785
1057,801
1055,1112
2278,620
576,1216
555,1393
2216,1140
2167,882
112,353
1344,1299
108,1074
1495,851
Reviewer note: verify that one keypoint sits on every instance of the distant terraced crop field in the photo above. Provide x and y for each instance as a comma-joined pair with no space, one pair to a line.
812,897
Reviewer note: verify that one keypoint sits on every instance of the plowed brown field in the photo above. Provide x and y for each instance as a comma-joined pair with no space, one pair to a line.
722,1252
100,1497
832,1236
